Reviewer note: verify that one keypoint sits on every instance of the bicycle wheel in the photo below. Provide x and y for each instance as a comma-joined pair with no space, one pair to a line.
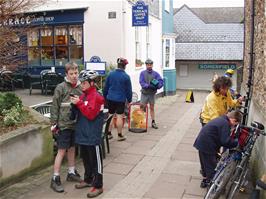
237,180
220,181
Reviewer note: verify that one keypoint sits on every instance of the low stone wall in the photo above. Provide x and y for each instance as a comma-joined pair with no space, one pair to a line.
25,150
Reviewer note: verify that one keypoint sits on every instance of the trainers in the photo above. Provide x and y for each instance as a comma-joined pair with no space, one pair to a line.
82,185
94,192
73,177
154,125
110,136
56,184
121,137
204,183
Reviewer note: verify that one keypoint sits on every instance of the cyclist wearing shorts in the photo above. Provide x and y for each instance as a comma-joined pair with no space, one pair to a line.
150,81
60,113
116,92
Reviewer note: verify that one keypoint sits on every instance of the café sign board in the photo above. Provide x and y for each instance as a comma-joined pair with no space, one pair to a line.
96,64
140,14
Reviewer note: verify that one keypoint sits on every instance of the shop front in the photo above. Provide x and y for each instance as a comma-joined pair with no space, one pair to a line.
53,39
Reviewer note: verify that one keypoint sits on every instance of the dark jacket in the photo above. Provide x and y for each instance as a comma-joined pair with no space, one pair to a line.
213,135
90,118
60,110
118,86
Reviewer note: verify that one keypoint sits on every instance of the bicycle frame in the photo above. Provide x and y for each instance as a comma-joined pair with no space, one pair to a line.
239,177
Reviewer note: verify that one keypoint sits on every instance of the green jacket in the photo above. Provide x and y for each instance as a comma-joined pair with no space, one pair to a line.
60,110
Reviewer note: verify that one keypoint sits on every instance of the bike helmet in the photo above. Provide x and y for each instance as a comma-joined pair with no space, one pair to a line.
230,71
88,75
122,61
148,61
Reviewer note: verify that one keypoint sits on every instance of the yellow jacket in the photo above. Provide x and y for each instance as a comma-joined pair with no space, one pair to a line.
216,105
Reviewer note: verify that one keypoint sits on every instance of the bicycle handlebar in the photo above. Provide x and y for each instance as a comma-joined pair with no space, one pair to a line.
255,127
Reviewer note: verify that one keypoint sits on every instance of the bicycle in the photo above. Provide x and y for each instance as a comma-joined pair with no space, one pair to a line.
224,170
238,179
231,159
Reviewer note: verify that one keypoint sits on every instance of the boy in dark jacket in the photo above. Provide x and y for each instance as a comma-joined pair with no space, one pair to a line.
211,138
89,126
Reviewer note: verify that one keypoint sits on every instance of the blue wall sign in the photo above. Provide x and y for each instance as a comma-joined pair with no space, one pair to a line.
140,14
96,64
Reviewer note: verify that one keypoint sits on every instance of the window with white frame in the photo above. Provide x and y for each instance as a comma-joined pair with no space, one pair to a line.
167,53
167,5
138,61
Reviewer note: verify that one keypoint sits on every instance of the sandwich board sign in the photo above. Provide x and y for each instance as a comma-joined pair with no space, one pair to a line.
96,64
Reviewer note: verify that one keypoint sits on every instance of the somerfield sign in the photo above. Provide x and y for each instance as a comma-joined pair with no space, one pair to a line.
217,66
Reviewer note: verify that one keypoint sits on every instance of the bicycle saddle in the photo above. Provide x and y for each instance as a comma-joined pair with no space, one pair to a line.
257,125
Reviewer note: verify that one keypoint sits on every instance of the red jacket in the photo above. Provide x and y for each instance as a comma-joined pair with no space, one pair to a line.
90,103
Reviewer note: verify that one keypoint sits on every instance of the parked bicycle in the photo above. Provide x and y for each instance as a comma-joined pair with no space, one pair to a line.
232,169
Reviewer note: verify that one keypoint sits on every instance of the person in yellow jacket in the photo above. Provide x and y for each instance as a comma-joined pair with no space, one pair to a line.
219,101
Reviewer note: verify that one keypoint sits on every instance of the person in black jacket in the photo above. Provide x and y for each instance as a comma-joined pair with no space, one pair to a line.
211,138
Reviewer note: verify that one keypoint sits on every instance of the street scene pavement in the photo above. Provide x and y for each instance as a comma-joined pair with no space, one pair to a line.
161,163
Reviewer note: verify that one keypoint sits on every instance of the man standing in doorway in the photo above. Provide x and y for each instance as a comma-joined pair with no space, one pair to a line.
117,91
150,81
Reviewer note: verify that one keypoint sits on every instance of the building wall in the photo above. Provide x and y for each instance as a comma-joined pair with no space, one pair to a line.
102,36
199,79
168,26
113,38
258,101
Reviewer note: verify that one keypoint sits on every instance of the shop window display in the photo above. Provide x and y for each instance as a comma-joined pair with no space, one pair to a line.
55,46
34,56
47,56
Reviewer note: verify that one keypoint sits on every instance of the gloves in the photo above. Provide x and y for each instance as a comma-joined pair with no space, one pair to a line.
152,87
55,129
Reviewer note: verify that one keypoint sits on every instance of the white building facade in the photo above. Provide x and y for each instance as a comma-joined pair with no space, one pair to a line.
106,31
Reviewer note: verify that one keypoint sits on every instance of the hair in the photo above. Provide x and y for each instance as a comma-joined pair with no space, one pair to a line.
221,82
71,66
122,66
235,115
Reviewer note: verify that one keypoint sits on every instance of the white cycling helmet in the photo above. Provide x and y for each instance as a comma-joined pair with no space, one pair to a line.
88,75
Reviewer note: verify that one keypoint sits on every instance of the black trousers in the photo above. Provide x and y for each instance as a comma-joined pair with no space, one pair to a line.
208,163
92,161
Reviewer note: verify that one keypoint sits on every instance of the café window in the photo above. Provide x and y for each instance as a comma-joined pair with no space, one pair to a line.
75,42
46,36
55,45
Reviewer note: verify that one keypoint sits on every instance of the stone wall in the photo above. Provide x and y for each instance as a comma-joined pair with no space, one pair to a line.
25,150
259,88
257,109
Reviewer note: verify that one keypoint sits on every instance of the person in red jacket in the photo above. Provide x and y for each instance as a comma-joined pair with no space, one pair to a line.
87,110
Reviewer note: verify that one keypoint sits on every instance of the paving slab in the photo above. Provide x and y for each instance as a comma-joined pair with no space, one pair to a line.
160,163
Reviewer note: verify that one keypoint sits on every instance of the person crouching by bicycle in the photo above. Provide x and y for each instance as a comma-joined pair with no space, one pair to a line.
211,138
88,108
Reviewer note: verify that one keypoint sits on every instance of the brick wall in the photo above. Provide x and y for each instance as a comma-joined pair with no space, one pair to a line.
259,91
257,109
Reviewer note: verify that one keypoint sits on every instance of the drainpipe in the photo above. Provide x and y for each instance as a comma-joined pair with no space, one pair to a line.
251,66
